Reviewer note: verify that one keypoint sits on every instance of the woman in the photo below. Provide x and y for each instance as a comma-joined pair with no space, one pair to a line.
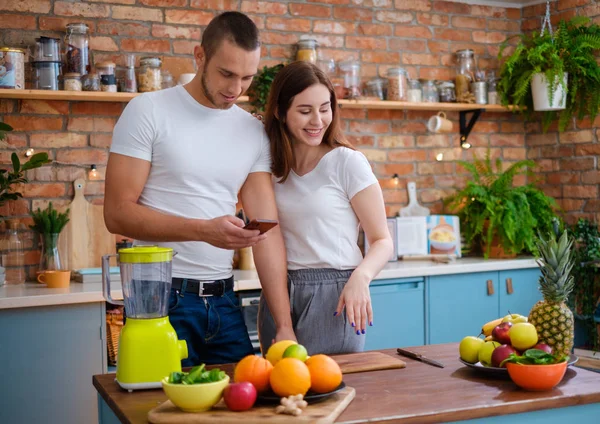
324,188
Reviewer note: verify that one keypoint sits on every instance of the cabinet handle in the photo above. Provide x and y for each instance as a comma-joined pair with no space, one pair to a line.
509,287
490,287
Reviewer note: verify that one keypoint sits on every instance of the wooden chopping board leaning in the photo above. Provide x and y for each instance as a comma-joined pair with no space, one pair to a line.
85,238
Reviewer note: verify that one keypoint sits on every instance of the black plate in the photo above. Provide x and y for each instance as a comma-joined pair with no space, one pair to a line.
503,371
310,397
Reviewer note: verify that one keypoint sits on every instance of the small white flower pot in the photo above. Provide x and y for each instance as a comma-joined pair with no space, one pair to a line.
541,100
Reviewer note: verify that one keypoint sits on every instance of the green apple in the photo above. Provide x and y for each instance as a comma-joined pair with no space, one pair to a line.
469,349
485,353
514,318
523,336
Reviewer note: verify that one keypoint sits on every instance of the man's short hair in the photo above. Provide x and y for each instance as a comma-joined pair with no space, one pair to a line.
233,26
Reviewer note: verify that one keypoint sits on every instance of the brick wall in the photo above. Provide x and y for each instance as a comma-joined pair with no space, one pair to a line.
418,35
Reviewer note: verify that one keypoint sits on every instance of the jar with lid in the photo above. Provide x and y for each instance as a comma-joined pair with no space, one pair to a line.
167,79
105,68
446,91
77,48
72,81
307,50
492,90
351,72
108,83
430,92
90,82
464,75
130,85
377,88
414,93
397,84
149,75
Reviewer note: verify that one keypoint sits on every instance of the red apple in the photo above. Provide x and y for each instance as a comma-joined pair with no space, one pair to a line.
544,347
500,354
239,396
500,333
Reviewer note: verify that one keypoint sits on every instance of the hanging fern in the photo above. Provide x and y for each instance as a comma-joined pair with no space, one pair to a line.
572,50
491,206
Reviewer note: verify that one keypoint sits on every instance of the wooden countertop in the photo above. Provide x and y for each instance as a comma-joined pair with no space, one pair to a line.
419,393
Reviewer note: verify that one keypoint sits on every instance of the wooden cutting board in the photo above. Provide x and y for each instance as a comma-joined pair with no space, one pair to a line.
367,361
323,412
85,238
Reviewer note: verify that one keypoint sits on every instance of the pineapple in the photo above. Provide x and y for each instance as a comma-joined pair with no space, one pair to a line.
552,318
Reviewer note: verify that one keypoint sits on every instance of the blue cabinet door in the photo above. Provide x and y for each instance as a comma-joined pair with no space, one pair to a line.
460,304
399,314
519,290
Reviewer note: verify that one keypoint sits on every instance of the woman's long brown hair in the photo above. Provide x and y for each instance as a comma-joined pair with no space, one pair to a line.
292,80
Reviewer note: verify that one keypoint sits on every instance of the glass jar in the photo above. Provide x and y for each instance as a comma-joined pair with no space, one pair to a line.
446,91
72,82
105,68
130,84
430,92
108,83
397,84
13,257
351,72
49,254
492,91
307,50
377,88
77,49
149,76
465,74
414,93
167,80
46,75
90,82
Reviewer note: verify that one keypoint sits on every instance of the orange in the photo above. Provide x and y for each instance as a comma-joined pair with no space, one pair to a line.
290,376
325,373
255,370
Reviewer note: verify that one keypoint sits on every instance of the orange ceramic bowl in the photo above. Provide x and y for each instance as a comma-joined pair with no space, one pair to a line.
536,377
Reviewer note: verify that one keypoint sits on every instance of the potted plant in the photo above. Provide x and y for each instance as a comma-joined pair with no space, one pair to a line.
498,216
48,223
8,178
553,72
259,90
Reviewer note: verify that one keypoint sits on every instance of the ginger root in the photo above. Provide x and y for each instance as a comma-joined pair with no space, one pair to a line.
291,405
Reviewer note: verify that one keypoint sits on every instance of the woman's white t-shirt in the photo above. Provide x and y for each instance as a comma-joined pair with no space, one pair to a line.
319,226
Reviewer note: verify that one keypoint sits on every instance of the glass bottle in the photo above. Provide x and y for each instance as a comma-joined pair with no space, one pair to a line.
397,84
464,75
49,257
492,89
130,82
77,49
13,259
307,51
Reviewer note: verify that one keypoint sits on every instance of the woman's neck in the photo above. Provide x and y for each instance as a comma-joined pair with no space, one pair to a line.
307,157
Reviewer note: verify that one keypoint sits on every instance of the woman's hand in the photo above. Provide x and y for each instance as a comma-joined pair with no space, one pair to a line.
357,300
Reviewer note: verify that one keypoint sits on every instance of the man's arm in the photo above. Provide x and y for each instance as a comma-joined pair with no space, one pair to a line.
258,200
124,215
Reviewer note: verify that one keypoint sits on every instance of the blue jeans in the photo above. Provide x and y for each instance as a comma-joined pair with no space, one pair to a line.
212,326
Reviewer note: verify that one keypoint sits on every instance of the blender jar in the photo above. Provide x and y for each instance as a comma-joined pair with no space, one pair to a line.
145,279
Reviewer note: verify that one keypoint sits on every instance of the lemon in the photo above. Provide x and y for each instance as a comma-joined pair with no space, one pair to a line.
296,351
275,352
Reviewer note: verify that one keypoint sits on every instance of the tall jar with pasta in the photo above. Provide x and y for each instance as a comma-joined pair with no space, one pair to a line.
464,76
149,75
307,50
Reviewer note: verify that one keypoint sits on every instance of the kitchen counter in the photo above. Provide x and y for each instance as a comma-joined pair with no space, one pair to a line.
419,393
34,294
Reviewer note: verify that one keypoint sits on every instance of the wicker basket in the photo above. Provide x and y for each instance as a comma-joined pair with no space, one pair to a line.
114,324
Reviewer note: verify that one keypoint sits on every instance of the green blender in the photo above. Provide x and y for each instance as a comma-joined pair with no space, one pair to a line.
148,346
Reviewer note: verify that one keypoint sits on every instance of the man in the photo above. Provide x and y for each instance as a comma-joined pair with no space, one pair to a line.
178,160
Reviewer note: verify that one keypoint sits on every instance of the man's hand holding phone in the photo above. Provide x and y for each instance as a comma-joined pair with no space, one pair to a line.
228,232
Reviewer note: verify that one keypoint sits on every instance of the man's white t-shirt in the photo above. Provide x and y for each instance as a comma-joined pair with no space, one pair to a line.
200,159
318,223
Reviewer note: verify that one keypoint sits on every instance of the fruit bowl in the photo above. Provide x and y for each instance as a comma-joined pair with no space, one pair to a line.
195,397
311,397
536,377
479,367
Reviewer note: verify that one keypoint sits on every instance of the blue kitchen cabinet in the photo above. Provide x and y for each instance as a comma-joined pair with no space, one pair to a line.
518,291
399,313
460,304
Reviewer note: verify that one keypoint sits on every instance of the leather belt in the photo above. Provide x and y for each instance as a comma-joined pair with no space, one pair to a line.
203,288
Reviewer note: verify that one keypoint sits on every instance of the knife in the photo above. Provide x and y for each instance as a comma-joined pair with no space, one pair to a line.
419,357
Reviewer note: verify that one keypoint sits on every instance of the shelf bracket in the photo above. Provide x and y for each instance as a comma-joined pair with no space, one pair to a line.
465,129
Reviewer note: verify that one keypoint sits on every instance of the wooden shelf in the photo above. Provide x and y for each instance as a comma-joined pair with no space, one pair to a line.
95,96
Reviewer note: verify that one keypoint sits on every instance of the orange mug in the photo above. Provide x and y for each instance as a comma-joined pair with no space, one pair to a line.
55,279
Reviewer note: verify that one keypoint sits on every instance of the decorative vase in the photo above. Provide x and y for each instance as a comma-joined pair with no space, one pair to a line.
539,90
49,257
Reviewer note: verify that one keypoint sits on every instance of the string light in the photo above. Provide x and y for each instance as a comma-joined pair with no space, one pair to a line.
465,144
395,179
439,157
29,152
93,174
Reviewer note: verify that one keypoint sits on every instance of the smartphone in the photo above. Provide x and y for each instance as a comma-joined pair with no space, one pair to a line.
263,225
